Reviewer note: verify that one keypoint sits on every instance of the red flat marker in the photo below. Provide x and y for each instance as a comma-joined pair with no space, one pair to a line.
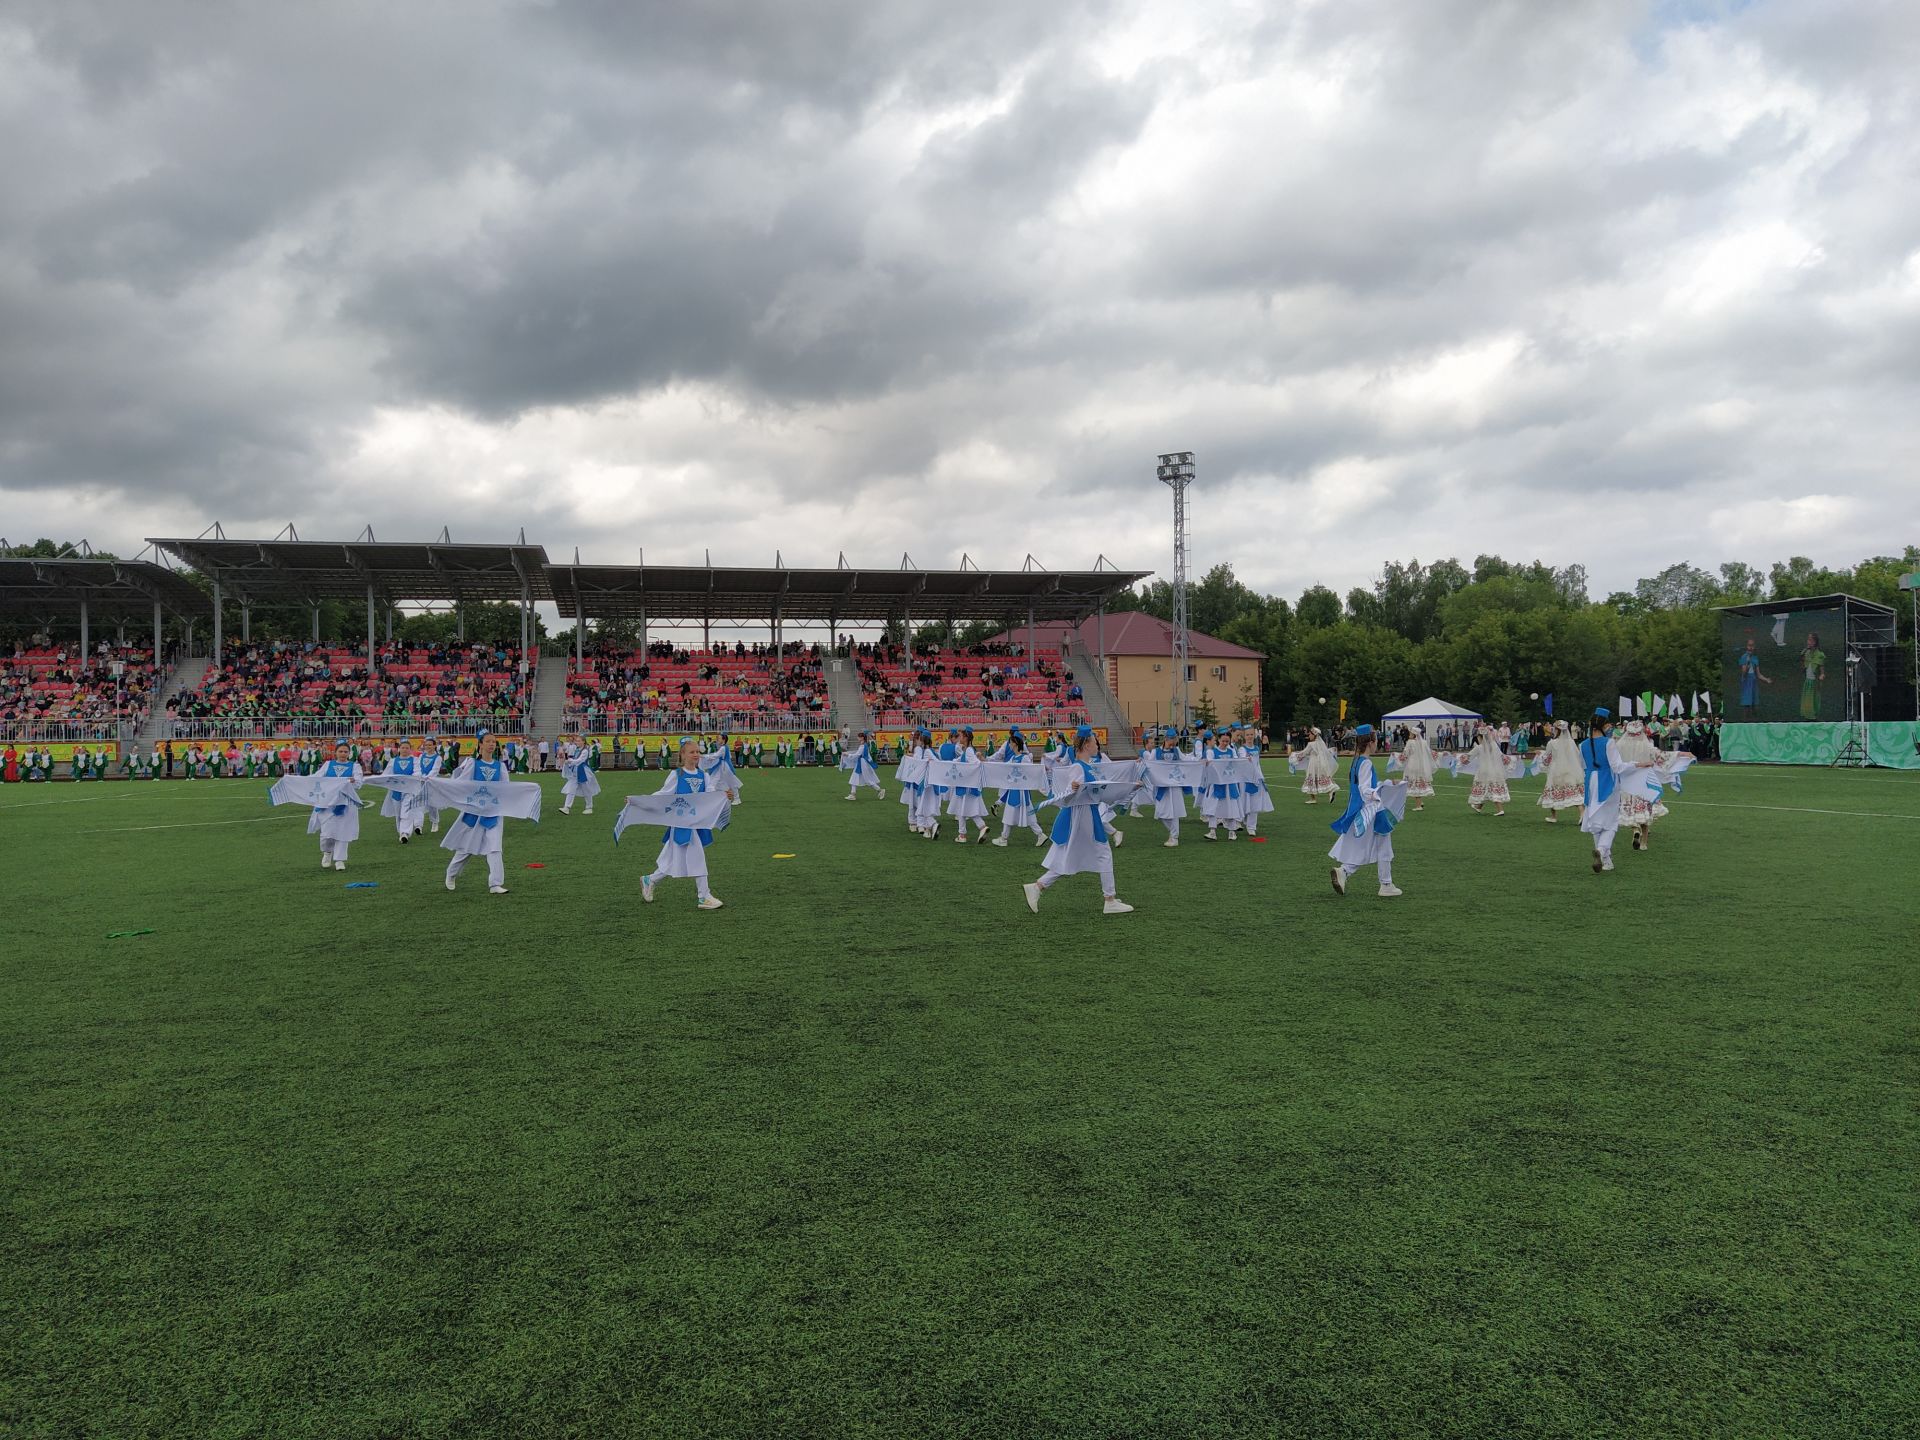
535,865
1257,839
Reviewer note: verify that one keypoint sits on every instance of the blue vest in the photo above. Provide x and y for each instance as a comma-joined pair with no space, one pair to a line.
334,770
492,771
1063,823
1593,761
1383,821
685,784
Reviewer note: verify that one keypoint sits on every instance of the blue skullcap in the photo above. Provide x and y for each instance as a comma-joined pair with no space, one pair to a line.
1085,732
966,729
1014,731
1600,712
1363,730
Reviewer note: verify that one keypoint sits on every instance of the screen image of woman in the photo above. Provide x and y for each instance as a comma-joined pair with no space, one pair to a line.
1813,671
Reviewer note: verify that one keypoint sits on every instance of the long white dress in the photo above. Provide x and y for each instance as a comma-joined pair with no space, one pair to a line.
1017,810
1416,763
1604,768
1566,787
966,803
1254,793
1489,773
684,853
1169,802
1637,749
1319,766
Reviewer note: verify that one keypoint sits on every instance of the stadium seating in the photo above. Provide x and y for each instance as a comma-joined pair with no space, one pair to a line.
983,684
409,685
664,688
49,686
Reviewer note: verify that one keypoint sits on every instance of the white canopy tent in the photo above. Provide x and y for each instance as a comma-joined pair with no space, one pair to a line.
1430,708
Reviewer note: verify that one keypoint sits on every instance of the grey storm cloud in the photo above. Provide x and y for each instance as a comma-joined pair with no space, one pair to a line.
1432,277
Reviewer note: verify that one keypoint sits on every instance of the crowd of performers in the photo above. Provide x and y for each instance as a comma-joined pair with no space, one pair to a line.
421,784
1611,782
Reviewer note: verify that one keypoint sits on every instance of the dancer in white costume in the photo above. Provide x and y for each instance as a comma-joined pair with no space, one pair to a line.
1416,763
1080,844
1365,832
408,811
1170,801
1489,774
967,803
1226,802
1605,767
858,763
339,826
683,855
913,793
1318,763
472,835
1565,784
1255,799
1637,748
1017,807
576,762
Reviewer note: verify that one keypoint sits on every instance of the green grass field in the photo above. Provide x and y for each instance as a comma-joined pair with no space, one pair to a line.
873,1151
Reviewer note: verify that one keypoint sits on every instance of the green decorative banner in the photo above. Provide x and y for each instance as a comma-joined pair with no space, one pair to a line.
1889,743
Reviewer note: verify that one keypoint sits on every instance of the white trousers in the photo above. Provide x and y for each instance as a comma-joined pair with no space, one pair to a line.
1006,822
1173,829
1103,866
496,866
1385,864
334,849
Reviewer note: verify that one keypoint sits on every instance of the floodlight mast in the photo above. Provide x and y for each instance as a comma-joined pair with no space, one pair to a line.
1176,472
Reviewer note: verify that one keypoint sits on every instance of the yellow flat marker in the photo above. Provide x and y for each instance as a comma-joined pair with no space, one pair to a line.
783,857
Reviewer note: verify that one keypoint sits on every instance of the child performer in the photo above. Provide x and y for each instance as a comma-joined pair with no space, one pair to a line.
858,763
339,826
1416,763
1227,802
1255,799
684,853
967,803
915,751
1169,802
1318,762
1565,785
1605,768
582,783
406,809
1080,838
480,834
1637,748
1365,831
1017,806
1489,774
719,764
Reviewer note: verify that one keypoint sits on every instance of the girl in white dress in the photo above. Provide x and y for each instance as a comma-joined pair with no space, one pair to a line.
966,802
1318,762
1566,783
582,782
1080,844
1017,806
684,853
1255,799
472,835
1364,834
1489,774
338,826
1416,763
1638,750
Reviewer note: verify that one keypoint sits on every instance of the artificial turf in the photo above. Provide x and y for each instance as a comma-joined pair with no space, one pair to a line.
873,1151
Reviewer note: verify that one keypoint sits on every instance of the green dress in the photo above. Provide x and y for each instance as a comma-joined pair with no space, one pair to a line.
1812,663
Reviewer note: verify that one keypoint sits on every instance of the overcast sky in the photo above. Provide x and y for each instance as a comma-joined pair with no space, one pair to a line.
1588,281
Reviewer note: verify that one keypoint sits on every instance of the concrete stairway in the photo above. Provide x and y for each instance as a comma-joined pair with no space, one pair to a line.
187,674
843,691
549,698
1102,708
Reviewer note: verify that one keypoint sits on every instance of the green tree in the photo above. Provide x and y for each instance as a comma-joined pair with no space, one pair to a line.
1205,716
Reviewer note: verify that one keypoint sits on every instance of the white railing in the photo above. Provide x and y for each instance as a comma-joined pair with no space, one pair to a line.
301,727
60,732
798,722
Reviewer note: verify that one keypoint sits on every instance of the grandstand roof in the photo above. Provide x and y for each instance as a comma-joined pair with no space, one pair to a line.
674,592
110,587
310,570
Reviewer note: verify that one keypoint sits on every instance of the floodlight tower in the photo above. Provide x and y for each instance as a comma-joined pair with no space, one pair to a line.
1176,472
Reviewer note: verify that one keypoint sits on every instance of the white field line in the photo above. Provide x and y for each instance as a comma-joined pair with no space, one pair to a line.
1684,803
183,825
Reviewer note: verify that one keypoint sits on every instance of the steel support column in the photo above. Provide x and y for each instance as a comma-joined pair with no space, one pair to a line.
156,637
371,646
219,632
86,655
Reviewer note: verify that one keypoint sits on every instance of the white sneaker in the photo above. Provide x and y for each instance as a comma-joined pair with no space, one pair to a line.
1000,843
1117,838
339,864
326,862
881,795
1170,845
1233,834
1116,907
1212,836
403,839
436,824
1607,864
1339,882
1032,893
449,882
588,810
712,902
849,797
933,831
1039,839
646,889
1387,892
496,889
961,838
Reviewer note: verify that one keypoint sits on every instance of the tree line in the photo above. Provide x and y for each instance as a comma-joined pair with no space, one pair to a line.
1496,635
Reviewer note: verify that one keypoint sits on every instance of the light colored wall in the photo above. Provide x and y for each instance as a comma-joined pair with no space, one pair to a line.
1145,693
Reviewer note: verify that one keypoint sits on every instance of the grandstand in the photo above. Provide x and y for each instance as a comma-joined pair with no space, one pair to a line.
819,667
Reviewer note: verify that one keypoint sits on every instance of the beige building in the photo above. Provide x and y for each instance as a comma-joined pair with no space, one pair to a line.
1139,651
